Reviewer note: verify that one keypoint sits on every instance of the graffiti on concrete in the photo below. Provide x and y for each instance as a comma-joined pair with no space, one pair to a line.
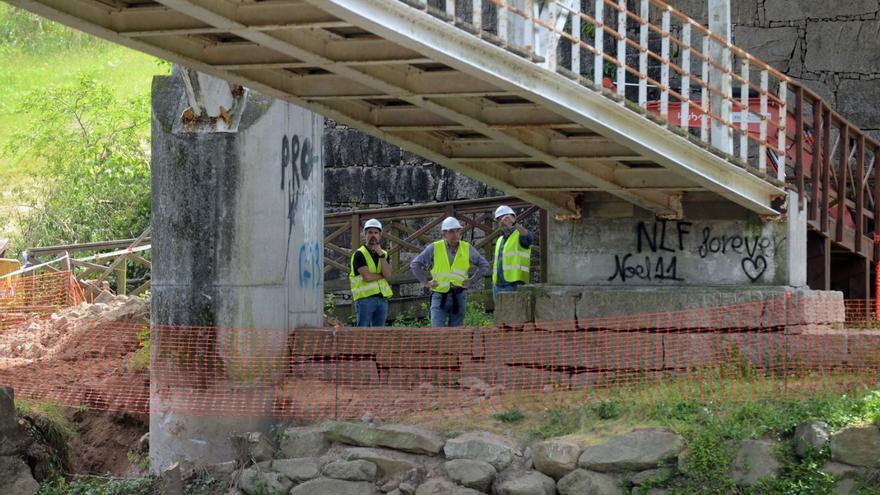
311,275
659,246
296,167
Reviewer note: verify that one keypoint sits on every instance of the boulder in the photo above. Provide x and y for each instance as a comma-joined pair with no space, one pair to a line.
526,483
15,477
755,460
441,486
857,445
810,437
8,420
298,470
583,482
306,441
652,476
253,481
388,462
483,446
251,447
555,457
637,450
398,437
471,473
357,470
327,486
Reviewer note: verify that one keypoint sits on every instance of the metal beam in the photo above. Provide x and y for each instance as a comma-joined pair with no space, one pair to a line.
444,42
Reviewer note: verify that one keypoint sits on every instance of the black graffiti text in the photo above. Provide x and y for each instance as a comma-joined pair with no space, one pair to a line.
659,268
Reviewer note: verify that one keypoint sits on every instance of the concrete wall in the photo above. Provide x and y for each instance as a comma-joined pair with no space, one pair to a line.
716,243
237,231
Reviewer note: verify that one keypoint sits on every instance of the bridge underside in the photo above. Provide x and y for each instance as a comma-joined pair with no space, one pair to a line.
422,83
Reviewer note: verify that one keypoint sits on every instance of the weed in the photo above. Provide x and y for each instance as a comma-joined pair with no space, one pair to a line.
511,416
608,409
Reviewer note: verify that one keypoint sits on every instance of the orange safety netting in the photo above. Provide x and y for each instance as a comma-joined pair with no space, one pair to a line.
774,348
28,296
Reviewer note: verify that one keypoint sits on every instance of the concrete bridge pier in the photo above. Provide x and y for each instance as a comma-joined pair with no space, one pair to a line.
619,260
237,229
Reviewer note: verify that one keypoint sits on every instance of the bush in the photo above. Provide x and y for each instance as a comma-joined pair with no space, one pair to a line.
97,166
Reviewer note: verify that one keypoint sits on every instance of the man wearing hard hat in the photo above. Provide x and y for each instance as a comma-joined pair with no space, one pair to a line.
369,278
449,281
513,253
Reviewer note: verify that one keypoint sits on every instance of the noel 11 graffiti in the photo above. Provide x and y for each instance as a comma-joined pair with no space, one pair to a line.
658,247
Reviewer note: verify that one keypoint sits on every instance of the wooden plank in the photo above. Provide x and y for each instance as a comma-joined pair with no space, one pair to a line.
842,173
860,191
799,141
88,246
826,166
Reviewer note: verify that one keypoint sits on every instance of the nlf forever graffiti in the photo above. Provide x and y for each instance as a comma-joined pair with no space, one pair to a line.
659,245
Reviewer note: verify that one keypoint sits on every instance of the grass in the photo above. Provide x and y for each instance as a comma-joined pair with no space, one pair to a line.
126,71
711,427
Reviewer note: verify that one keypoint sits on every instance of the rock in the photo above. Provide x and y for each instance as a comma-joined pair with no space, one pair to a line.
482,446
252,481
15,477
474,384
440,486
357,470
105,297
471,473
143,443
754,461
327,486
398,437
406,488
8,420
839,470
583,482
298,470
15,441
306,441
390,486
846,486
652,476
527,483
635,451
857,445
810,436
251,447
171,481
556,458
388,462
221,468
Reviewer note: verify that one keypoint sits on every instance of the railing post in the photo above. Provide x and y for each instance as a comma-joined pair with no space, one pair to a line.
877,209
762,146
529,34
799,142
576,47
621,48
783,127
744,111
860,192
664,64
644,13
816,171
501,11
826,166
686,77
599,60
704,94
543,239
477,16
719,53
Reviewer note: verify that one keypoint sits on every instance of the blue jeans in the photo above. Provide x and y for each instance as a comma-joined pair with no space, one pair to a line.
442,316
505,287
371,311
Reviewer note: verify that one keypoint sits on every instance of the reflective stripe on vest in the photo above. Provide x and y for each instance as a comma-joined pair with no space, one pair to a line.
361,289
515,260
446,275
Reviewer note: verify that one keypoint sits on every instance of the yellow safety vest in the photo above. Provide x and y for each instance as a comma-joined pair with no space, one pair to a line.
515,260
361,289
446,275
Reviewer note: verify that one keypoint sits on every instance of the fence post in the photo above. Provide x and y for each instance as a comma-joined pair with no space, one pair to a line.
543,239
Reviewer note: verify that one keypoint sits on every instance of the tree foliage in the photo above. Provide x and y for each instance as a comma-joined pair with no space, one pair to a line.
22,31
97,177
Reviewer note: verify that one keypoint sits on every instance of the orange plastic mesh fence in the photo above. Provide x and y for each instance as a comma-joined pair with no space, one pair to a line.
24,297
778,348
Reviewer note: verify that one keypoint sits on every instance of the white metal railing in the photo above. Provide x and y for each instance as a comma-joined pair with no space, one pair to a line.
661,54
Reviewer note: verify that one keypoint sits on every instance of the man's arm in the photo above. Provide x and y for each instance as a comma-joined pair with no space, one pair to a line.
526,238
421,264
483,266
385,267
369,276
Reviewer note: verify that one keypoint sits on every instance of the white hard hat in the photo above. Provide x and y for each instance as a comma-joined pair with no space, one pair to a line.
373,224
503,210
450,223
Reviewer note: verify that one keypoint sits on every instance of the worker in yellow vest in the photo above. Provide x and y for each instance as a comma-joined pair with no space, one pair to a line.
449,260
513,253
369,275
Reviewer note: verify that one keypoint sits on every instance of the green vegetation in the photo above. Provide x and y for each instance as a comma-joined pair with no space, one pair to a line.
94,485
475,315
511,416
48,426
46,153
